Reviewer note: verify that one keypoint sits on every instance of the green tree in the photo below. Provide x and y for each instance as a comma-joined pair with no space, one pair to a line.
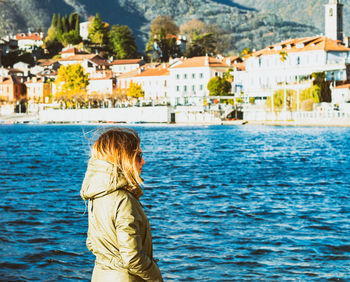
162,42
135,91
65,24
278,100
98,31
122,42
59,27
325,91
202,39
73,18
71,82
218,86
246,52
70,37
307,98
54,21
77,25
201,45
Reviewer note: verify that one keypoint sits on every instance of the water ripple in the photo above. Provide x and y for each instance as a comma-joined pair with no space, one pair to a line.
225,203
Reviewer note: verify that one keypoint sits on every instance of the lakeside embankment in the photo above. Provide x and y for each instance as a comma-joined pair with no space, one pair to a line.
153,115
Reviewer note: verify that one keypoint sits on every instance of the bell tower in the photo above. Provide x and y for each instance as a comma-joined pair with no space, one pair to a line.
334,20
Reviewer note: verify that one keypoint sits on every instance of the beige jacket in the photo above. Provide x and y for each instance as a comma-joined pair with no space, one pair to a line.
119,233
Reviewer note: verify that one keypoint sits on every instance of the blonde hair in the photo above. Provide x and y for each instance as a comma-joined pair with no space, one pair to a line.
120,147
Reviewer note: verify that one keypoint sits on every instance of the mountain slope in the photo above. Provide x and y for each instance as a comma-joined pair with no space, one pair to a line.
252,24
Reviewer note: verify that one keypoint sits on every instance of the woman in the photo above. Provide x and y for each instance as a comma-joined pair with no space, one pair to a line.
119,233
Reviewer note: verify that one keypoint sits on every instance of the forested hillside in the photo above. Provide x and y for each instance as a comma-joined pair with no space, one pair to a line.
244,23
309,12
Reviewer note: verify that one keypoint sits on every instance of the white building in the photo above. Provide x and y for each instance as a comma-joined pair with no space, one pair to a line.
188,79
90,62
84,30
181,82
266,70
125,65
341,94
100,86
290,61
153,79
30,41
334,20
154,82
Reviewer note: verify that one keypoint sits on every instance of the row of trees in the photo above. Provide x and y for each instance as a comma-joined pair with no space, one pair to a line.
201,39
72,83
117,40
62,32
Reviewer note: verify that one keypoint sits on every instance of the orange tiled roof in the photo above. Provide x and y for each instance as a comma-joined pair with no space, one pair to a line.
81,57
12,79
47,62
197,62
128,74
239,66
347,85
31,36
158,71
126,62
72,50
303,44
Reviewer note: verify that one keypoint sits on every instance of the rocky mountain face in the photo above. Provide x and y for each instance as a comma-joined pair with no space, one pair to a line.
245,23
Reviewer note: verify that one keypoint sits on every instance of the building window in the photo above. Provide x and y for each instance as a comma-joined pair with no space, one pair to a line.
185,88
193,75
201,87
185,76
193,88
216,73
177,76
201,75
298,60
177,88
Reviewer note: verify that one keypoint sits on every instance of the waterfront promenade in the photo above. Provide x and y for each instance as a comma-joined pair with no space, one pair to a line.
167,115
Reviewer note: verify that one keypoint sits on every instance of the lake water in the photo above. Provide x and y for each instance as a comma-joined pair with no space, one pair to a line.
225,203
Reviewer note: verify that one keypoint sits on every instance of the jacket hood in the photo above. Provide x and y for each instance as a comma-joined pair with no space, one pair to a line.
101,179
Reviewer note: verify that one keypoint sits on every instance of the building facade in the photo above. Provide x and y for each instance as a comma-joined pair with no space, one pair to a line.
188,79
12,89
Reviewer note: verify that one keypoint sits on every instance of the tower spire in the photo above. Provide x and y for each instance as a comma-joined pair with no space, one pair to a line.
334,20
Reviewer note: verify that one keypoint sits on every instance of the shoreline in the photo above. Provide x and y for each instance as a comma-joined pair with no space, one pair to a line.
33,119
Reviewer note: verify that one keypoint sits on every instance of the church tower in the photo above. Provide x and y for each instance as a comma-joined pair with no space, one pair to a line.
334,20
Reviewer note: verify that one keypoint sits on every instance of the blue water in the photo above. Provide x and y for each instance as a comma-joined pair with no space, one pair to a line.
225,203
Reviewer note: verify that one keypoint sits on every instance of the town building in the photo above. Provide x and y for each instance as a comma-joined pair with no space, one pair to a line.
125,65
38,90
291,61
341,94
71,51
8,44
286,63
30,41
90,62
188,79
100,83
154,82
84,30
334,20
12,89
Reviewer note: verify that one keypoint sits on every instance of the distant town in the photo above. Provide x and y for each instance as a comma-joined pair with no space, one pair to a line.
93,66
